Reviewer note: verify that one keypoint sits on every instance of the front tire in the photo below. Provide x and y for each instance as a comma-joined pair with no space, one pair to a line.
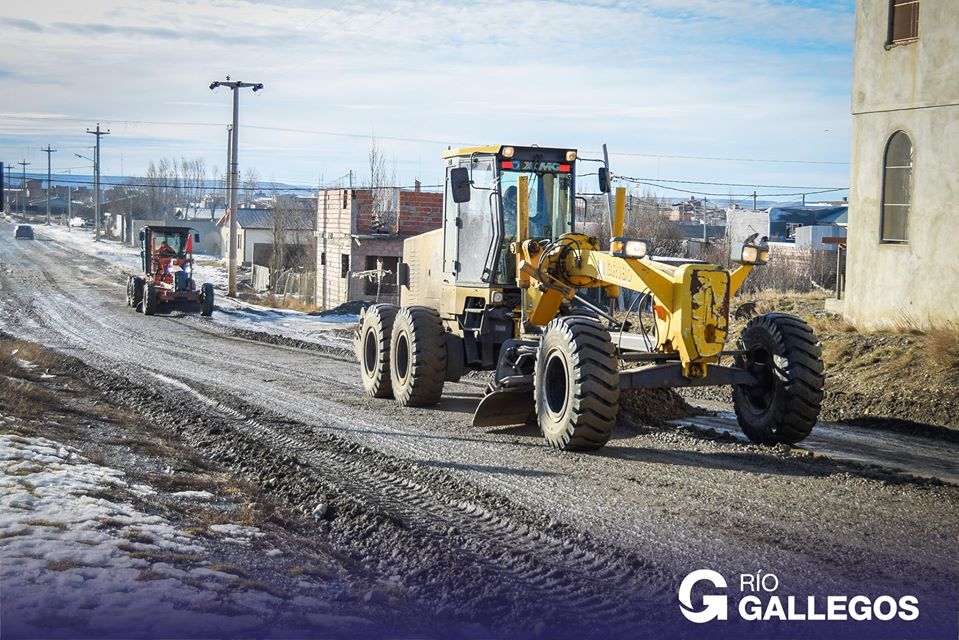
149,299
417,357
786,357
134,291
206,300
373,350
576,383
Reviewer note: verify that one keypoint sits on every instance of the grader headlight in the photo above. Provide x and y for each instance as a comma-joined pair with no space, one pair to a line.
753,254
508,152
627,248
570,156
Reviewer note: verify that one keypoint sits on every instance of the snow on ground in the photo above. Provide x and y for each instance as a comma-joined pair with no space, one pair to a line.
234,313
79,560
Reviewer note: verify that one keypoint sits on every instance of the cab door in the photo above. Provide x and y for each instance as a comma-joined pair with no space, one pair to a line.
477,225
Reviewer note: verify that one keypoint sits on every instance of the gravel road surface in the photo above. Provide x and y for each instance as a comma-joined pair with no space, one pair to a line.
490,524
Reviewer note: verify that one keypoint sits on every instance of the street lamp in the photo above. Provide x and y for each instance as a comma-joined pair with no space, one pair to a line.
94,162
234,85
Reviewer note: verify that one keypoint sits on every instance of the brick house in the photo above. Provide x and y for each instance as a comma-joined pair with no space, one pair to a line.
348,242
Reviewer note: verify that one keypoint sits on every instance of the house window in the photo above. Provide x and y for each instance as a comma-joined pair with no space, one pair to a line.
791,229
903,21
344,265
896,188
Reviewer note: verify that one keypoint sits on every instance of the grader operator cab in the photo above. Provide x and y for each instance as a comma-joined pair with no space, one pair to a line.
166,254
501,288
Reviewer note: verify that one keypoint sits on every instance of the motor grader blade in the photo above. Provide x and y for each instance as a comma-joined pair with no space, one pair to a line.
504,408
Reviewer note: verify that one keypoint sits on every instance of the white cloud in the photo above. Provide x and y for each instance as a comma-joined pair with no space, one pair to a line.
690,77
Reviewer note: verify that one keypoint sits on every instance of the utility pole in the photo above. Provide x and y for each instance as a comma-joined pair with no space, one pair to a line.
235,86
226,168
705,228
4,194
48,151
23,188
609,194
754,200
96,181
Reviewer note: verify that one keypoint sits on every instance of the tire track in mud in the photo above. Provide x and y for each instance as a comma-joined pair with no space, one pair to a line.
497,547
559,572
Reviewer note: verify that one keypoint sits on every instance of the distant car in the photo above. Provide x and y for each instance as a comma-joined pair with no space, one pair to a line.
78,222
24,232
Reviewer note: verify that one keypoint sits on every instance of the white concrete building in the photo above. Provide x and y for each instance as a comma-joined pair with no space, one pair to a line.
903,265
255,234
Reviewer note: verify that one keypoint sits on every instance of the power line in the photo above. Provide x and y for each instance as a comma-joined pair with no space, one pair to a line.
720,159
344,134
147,185
725,184
742,195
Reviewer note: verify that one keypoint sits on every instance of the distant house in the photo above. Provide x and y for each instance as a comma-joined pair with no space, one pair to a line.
683,211
902,265
351,247
783,224
255,234
35,188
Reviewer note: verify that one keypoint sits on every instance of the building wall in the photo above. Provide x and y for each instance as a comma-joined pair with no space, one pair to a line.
811,237
740,224
344,228
913,88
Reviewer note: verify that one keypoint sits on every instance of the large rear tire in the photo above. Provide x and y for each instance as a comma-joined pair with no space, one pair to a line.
786,357
149,299
373,349
576,384
417,357
206,300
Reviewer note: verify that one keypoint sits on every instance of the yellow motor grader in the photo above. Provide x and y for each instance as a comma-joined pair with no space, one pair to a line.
503,287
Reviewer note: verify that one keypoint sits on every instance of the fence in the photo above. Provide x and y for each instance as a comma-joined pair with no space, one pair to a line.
299,284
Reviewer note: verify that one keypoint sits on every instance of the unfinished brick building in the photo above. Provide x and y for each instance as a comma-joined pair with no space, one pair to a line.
349,242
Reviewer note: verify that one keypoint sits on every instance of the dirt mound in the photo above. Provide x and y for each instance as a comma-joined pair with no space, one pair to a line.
352,308
900,378
653,406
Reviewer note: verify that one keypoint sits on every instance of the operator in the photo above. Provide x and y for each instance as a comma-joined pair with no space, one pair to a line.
507,261
509,214
165,250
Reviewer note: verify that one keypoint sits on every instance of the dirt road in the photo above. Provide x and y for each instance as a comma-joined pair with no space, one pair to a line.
490,525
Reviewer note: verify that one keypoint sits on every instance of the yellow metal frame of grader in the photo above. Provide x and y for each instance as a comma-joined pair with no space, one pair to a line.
559,359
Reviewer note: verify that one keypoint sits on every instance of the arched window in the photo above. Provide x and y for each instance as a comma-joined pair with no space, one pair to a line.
896,188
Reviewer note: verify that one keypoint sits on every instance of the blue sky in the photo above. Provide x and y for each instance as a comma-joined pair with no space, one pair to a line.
654,79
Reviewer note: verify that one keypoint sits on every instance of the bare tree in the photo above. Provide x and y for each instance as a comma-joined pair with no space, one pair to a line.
193,179
647,218
212,201
249,186
280,216
381,183
175,185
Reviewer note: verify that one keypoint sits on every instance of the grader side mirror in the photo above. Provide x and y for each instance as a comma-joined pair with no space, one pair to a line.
142,235
604,185
460,184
